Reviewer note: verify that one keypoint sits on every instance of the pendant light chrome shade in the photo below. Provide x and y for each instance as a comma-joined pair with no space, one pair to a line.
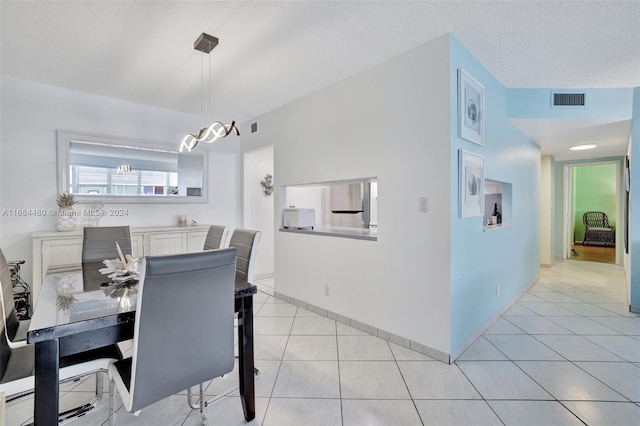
217,129
124,168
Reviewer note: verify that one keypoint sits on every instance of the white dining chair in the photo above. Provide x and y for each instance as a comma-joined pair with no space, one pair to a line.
246,242
17,372
216,237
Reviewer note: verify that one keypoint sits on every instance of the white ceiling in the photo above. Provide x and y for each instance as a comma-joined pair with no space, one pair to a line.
610,136
273,52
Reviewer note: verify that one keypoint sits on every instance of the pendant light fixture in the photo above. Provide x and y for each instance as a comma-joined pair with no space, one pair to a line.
216,130
125,167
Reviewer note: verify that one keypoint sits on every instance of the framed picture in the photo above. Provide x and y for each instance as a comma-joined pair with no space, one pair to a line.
471,183
470,108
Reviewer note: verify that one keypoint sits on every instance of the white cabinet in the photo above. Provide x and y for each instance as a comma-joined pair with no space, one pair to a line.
59,252
167,243
65,248
195,240
137,246
176,242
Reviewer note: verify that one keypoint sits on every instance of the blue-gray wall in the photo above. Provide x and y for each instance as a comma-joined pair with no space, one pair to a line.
509,256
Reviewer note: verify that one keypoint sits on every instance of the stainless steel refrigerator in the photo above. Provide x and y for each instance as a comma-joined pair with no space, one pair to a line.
350,204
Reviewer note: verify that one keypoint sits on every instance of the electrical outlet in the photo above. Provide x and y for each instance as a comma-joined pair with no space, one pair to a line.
498,290
326,289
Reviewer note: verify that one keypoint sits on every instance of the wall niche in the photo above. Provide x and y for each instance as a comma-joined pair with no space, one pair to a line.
498,195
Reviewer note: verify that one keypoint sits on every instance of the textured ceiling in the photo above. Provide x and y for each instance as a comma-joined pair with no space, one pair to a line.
273,52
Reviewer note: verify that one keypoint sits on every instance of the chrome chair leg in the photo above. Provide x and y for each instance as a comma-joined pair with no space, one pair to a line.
112,398
72,414
202,405
99,385
216,398
256,377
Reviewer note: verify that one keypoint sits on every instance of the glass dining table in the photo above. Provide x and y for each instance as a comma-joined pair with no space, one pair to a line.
73,315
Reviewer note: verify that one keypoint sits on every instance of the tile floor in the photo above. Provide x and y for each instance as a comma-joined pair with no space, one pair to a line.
568,353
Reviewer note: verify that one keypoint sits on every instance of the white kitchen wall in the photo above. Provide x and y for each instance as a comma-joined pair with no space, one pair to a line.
311,197
390,121
31,114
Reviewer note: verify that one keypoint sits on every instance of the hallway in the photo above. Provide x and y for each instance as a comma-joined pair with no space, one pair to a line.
570,341
601,254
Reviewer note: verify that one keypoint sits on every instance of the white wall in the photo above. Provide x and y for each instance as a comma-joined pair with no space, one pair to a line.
633,279
31,114
258,207
627,259
1,139
547,257
390,121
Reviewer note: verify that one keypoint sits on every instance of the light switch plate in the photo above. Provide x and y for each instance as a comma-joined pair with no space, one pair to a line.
423,204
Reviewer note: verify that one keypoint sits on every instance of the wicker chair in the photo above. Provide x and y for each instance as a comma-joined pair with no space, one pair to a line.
597,229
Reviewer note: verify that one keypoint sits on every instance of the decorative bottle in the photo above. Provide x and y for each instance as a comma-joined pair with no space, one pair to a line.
497,214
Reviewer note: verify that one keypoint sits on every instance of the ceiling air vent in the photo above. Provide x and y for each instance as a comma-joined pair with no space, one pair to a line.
563,99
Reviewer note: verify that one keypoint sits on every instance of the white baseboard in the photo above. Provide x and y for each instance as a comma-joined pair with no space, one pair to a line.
394,338
263,276
402,341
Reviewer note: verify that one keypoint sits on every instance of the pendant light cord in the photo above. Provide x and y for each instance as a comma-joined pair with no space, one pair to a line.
201,90
210,112
202,87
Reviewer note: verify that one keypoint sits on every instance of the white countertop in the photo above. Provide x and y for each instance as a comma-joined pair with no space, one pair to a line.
370,234
134,229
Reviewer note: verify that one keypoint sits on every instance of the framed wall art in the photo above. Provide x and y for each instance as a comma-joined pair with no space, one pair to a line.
471,183
470,108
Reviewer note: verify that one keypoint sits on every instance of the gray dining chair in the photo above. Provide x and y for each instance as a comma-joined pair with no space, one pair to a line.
98,244
17,372
15,329
216,237
246,242
183,334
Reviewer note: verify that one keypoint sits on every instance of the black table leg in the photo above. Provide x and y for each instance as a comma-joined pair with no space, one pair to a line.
46,383
245,349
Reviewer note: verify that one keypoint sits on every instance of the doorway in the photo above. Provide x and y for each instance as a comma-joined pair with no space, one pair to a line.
591,187
259,213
